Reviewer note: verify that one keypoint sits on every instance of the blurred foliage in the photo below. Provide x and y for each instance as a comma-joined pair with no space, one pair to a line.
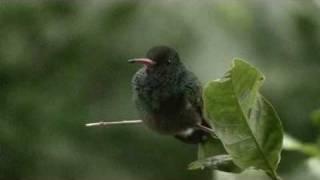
315,116
310,167
292,144
63,64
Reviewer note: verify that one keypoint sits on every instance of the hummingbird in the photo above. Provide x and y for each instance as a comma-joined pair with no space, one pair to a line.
168,96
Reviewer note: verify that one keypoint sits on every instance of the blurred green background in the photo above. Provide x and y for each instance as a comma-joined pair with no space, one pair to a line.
63,64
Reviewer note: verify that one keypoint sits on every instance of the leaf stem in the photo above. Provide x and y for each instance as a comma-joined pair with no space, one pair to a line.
273,175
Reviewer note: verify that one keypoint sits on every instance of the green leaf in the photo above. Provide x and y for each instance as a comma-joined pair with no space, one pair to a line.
210,148
220,162
213,155
244,120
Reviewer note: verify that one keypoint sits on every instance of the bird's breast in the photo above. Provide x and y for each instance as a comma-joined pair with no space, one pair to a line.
162,103
160,93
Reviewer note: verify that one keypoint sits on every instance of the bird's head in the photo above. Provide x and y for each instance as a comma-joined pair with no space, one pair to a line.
159,57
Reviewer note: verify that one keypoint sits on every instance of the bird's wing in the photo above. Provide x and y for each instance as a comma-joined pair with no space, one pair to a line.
193,92
193,95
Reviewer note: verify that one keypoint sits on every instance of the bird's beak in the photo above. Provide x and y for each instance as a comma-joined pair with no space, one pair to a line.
144,61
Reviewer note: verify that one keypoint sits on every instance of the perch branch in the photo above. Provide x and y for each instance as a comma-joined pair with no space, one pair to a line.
103,123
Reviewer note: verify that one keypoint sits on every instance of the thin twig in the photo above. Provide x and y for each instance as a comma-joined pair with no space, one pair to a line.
103,123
